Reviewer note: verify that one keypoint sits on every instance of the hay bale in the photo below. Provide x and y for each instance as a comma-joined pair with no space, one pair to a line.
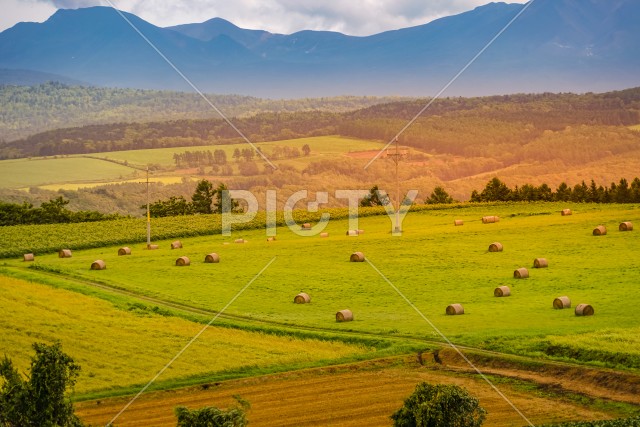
176,245
357,257
566,212
626,226
561,303
324,234
454,309
495,247
502,291
153,247
183,261
98,265
490,219
240,241
360,232
600,230
344,316
458,222
28,257
584,310
212,258
271,239
540,263
64,253
352,232
521,273
302,298
124,251
306,226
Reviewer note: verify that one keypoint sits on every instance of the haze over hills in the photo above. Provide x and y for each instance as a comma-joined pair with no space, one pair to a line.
555,45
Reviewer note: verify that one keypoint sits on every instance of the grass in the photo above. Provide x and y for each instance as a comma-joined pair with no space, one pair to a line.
433,264
78,171
120,346
35,172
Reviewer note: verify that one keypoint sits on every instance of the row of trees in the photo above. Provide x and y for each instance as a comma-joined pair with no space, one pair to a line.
51,212
205,200
194,159
623,192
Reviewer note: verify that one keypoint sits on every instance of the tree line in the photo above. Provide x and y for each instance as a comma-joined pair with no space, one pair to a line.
206,199
51,212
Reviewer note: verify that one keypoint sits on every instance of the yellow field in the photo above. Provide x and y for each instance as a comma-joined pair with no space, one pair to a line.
117,348
346,396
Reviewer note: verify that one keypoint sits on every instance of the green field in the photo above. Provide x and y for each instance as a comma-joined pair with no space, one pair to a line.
433,264
78,171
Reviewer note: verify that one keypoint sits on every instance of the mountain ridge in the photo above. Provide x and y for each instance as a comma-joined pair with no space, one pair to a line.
555,45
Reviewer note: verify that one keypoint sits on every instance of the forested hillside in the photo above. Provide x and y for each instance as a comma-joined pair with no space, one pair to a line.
27,110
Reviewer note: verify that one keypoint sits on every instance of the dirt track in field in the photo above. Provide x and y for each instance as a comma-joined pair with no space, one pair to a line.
364,394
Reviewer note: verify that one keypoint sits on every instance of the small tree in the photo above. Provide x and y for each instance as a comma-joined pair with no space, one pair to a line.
439,406
202,198
42,399
439,196
220,205
214,417
374,198
306,149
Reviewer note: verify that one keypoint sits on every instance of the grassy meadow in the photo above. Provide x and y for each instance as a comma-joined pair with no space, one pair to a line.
79,171
433,264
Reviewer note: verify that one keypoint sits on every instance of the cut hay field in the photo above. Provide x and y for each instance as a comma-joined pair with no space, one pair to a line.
121,343
433,264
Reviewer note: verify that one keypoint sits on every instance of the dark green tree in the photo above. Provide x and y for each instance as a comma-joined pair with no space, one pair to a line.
563,192
41,400
439,406
219,205
174,206
374,198
439,196
495,191
214,417
202,198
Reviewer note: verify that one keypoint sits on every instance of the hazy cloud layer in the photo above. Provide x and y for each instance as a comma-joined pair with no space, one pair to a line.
358,17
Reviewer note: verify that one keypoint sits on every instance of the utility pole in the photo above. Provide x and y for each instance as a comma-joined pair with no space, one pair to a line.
148,213
396,158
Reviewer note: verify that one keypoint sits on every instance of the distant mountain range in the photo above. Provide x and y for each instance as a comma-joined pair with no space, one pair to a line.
555,45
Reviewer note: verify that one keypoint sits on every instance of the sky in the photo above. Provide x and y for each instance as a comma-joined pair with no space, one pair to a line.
353,17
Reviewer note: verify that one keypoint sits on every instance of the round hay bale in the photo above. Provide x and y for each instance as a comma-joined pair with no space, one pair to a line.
212,258
153,247
566,212
271,239
502,291
124,251
584,310
98,265
495,247
626,226
306,226
561,303
176,245
600,230
540,263
28,257
240,241
521,273
360,231
302,298
344,316
183,261
458,222
490,219
357,257
352,233
64,253
454,309
324,234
